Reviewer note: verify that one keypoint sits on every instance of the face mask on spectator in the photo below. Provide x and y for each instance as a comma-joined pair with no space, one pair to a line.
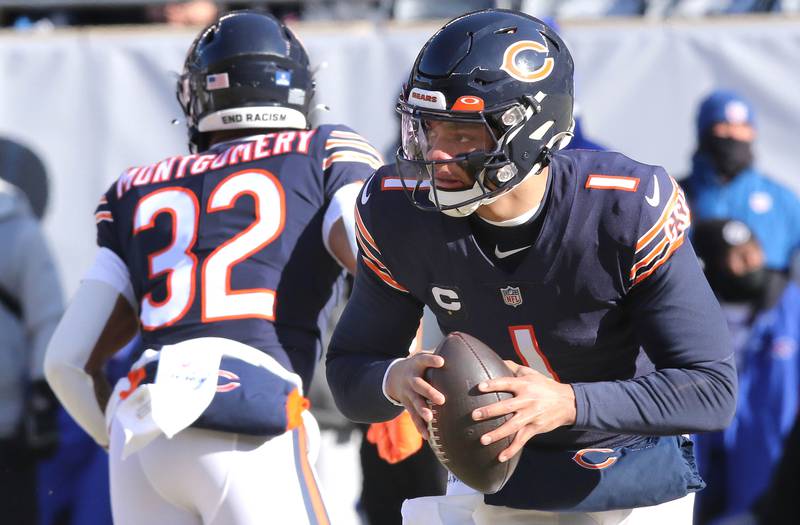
729,156
739,288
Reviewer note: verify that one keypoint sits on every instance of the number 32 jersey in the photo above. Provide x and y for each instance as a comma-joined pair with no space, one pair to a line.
228,242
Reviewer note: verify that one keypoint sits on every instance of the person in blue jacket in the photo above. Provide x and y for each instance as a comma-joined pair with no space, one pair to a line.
762,307
725,182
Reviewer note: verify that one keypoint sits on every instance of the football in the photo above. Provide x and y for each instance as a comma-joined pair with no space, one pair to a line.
453,435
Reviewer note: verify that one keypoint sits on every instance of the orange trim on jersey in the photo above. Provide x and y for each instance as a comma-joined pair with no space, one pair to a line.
384,276
296,404
229,291
645,239
529,329
675,246
363,230
611,182
359,144
309,479
368,253
101,216
148,297
655,252
346,134
352,156
135,378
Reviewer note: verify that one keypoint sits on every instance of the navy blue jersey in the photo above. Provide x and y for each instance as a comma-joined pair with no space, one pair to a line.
608,296
228,243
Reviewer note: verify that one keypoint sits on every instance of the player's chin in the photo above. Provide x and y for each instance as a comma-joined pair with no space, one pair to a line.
449,182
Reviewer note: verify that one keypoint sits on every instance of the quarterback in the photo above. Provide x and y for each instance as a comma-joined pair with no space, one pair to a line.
574,266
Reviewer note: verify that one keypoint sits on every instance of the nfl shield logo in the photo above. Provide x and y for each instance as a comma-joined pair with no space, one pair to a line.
511,296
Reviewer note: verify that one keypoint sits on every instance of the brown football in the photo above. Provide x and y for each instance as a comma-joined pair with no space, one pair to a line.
454,435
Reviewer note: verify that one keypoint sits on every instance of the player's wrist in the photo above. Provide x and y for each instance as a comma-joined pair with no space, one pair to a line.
389,382
568,402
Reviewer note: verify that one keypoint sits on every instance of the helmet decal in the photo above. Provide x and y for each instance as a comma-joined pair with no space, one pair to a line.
427,99
512,66
468,103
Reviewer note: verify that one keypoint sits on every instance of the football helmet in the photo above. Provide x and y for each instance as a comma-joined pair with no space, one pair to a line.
502,72
246,70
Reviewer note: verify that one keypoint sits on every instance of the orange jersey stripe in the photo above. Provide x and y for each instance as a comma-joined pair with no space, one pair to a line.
653,231
368,252
650,256
351,156
320,513
362,145
363,230
384,276
661,261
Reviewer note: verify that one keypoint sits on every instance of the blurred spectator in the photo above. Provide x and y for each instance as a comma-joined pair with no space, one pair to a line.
30,306
24,169
425,9
780,499
73,484
187,13
725,183
583,8
763,312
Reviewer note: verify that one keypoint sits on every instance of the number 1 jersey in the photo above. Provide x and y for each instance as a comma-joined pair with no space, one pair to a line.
228,242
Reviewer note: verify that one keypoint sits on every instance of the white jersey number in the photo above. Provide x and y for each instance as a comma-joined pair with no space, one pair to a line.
177,260
527,348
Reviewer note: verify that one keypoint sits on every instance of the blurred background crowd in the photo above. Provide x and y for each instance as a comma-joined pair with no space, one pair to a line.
706,88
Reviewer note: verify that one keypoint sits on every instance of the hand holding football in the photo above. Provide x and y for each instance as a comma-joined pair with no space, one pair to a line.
453,434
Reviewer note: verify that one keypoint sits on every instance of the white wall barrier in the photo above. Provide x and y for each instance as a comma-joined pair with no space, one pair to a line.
94,102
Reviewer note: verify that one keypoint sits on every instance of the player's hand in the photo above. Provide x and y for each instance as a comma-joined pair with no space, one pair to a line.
405,384
539,405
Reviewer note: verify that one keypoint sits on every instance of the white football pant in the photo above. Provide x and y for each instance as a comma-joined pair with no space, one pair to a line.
205,477
464,506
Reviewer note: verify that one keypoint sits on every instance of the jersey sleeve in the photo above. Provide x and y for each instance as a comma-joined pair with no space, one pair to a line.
678,323
377,326
104,219
663,220
347,157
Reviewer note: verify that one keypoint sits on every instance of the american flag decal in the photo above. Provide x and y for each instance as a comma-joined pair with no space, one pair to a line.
217,81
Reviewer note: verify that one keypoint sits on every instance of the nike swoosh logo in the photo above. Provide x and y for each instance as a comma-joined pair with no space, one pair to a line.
365,195
503,255
654,200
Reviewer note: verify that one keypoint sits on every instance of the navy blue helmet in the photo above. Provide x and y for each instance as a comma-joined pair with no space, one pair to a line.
501,69
246,70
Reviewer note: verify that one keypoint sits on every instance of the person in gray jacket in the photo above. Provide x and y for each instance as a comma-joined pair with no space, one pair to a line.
30,307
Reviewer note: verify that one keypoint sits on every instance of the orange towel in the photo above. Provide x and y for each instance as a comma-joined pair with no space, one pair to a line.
396,439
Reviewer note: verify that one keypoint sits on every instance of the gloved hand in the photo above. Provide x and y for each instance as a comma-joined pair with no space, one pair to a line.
396,439
40,421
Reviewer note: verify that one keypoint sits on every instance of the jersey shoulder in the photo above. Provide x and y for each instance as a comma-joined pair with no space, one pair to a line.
638,206
387,223
340,143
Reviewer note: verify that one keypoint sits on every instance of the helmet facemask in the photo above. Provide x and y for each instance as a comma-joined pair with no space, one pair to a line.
490,171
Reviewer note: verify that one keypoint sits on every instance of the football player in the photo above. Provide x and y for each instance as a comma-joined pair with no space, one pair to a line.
574,266
224,259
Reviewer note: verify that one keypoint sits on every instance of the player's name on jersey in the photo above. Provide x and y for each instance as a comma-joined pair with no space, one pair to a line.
259,147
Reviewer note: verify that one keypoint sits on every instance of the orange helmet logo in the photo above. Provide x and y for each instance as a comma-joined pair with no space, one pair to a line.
468,103
512,67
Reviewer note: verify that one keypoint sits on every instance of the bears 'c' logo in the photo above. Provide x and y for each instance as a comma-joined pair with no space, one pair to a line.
511,64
